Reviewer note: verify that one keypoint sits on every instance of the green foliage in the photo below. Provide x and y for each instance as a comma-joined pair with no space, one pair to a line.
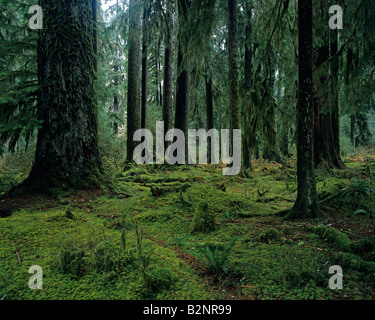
364,248
357,189
161,279
330,186
270,235
143,258
3,287
68,213
230,215
300,272
215,256
354,262
18,75
339,239
359,212
123,239
71,260
204,219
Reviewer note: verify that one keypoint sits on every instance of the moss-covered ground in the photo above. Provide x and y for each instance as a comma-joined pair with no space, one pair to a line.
139,239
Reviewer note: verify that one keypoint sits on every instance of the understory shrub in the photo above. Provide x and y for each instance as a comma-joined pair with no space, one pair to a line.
204,220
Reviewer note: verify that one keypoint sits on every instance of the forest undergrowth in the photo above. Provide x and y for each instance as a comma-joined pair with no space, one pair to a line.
188,232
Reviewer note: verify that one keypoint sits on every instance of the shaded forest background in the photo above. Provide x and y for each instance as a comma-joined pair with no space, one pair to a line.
72,200
168,60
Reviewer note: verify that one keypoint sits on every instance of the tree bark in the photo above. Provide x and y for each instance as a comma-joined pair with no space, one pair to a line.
94,5
168,71
335,106
210,112
249,130
326,132
306,205
134,76
271,151
144,68
182,94
67,148
233,67
183,66
353,136
116,69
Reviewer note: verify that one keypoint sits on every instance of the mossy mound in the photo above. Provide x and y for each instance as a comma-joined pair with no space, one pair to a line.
269,236
331,186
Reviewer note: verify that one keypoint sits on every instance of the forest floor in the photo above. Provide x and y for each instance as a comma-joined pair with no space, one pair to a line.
135,240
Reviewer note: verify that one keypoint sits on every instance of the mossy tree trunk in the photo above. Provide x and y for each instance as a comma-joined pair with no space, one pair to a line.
234,109
134,76
67,148
209,110
248,112
94,5
168,70
145,40
271,151
116,81
334,102
183,66
326,132
306,205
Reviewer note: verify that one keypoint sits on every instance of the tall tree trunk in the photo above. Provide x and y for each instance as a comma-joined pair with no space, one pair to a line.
158,102
326,132
182,87
182,94
116,69
271,151
144,68
210,112
248,112
94,5
168,71
233,67
134,76
284,123
353,136
67,148
306,205
334,103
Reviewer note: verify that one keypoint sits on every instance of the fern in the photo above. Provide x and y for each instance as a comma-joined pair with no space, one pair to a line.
358,189
215,258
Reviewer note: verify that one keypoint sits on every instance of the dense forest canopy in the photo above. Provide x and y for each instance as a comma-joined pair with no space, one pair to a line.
269,85
194,39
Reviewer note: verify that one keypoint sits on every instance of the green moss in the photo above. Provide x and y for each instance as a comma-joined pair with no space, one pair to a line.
270,235
71,261
150,217
277,269
354,262
331,186
339,239
204,219
364,248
